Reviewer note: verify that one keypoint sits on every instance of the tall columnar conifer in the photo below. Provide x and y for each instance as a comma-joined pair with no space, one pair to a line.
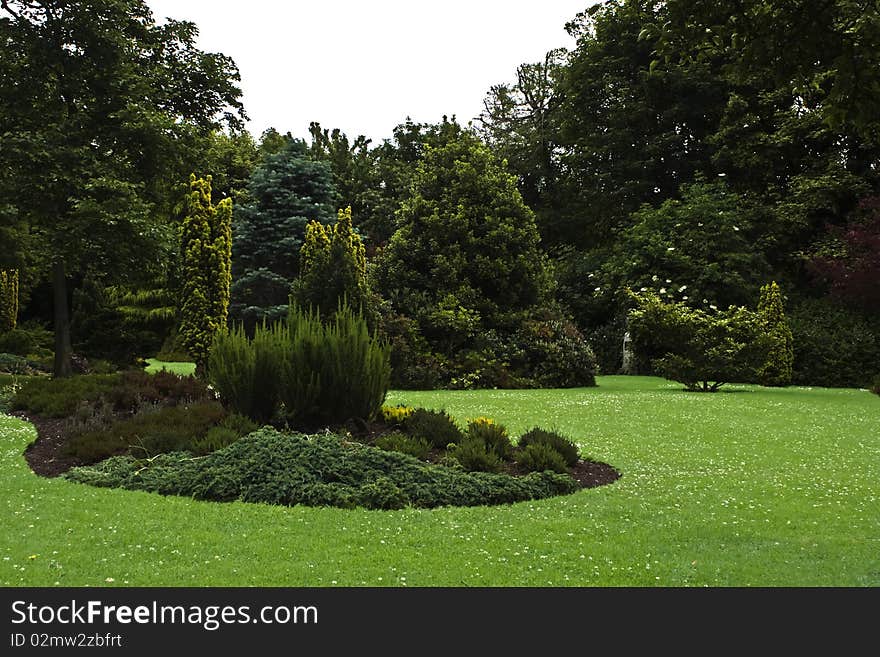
776,371
8,299
206,246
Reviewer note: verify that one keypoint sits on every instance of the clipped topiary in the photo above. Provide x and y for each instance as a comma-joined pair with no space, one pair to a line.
434,426
556,441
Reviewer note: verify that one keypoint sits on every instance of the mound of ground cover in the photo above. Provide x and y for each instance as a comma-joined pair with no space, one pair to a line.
318,470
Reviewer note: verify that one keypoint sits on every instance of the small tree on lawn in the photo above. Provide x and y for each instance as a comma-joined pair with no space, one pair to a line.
206,245
8,299
699,349
776,370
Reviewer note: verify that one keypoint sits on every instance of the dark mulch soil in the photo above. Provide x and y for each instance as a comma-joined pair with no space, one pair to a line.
594,473
46,454
47,458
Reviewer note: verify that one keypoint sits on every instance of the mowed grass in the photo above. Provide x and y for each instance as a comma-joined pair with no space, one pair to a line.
183,369
746,488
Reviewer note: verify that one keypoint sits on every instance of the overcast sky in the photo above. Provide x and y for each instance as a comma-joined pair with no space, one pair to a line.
365,65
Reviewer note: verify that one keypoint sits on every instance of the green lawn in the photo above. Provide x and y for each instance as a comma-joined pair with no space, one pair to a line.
183,369
748,487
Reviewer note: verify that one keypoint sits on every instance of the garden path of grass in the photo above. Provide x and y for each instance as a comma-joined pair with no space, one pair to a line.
750,487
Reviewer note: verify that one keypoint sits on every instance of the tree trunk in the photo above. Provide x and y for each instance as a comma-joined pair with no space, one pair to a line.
62,321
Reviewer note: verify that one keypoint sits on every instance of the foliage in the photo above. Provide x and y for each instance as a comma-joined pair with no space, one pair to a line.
436,427
60,397
99,330
493,435
333,371
287,190
206,245
101,108
466,254
395,415
413,365
321,470
538,457
397,441
8,299
149,432
474,455
851,263
806,47
698,249
355,175
521,123
550,352
230,429
333,268
875,387
125,393
12,364
247,372
27,339
700,349
833,345
626,134
776,370
553,440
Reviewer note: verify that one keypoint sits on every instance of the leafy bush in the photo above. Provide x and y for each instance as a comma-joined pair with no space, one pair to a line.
334,371
833,345
397,441
538,457
494,436
552,353
414,366
436,427
247,373
322,470
149,432
702,350
556,441
475,455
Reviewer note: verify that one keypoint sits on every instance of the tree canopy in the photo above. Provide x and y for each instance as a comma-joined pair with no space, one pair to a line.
101,110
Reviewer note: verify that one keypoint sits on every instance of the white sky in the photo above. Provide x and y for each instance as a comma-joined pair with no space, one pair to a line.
364,66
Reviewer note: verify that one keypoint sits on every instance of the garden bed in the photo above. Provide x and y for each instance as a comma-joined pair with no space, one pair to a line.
133,426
